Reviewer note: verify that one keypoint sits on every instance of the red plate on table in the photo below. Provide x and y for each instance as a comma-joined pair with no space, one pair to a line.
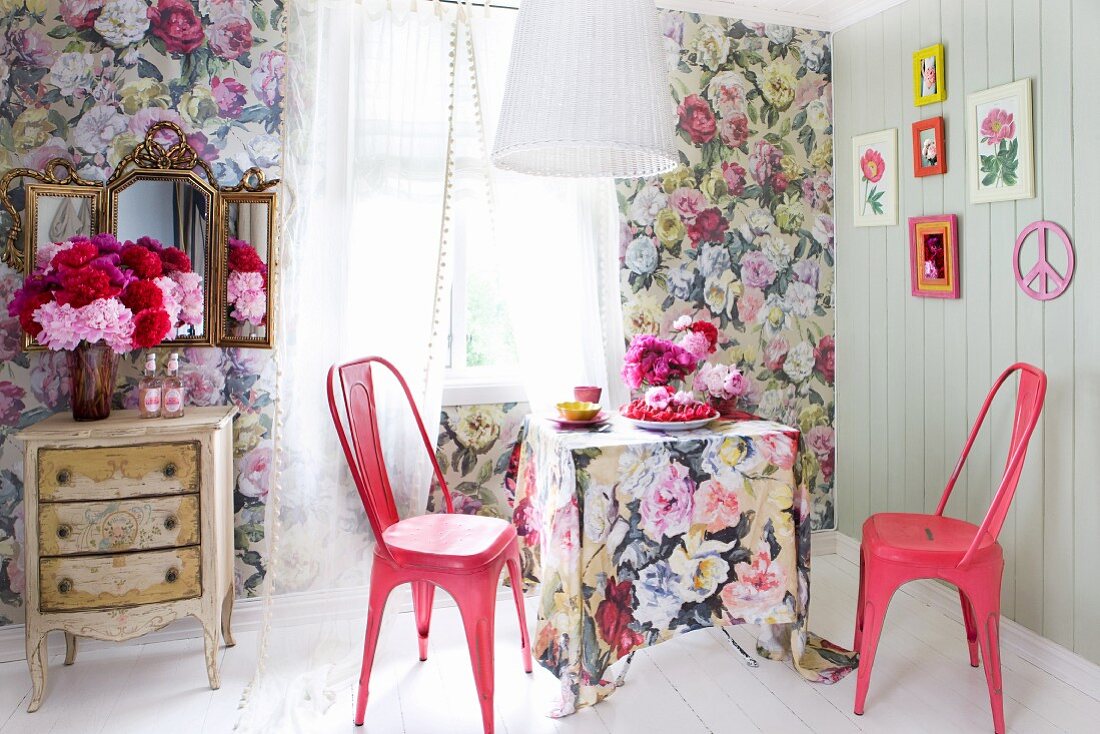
598,420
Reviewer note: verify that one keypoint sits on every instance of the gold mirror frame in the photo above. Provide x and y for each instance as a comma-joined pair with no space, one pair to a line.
154,160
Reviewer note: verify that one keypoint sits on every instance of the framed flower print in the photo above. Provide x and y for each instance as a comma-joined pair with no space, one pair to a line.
875,171
929,150
999,143
929,76
934,256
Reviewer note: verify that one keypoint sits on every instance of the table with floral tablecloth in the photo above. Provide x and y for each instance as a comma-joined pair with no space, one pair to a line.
639,536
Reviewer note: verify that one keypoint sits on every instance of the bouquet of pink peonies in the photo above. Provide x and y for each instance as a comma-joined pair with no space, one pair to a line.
246,284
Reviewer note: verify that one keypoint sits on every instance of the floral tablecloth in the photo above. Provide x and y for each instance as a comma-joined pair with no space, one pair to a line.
637,537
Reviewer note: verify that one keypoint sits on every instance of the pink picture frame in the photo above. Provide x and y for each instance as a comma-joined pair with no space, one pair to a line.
934,256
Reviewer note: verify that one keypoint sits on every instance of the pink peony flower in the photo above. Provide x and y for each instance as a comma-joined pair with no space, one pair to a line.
203,383
190,296
145,118
247,295
778,449
108,321
683,398
749,304
668,504
760,587
229,95
775,353
716,506
697,344
81,14
689,203
50,380
757,271
254,472
872,165
230,36
766,161
734,130
658,397
60,330
821,441
734,174
172,297
998,125
267,77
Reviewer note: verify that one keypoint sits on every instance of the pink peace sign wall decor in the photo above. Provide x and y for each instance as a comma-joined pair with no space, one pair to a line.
1042,282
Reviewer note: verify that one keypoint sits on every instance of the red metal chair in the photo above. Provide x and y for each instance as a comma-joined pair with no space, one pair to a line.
462,554
901,547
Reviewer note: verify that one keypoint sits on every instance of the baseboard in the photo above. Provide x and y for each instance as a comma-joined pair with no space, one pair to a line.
823,543
1044,654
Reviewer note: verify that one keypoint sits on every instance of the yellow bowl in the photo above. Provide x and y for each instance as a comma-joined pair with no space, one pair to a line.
576,411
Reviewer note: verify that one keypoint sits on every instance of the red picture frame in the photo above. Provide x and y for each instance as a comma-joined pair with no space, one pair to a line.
928,138
934,256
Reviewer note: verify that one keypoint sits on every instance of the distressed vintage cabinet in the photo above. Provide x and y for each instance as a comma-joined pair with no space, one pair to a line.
129,527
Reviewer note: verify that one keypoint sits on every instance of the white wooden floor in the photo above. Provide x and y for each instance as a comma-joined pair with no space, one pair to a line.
922,683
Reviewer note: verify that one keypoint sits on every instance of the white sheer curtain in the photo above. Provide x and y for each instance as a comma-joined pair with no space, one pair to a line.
559,244
367,137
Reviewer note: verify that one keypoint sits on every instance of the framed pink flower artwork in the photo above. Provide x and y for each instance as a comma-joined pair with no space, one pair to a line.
934,256
875,171
999,143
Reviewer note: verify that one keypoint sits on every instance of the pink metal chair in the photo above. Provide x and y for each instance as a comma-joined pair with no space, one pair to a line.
901,547
462,554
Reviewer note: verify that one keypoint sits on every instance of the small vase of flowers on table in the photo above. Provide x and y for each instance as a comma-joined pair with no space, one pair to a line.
657,365
96,298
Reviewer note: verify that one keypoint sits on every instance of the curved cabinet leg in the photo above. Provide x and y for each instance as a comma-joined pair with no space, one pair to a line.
36,661
227,618
210,642
70,648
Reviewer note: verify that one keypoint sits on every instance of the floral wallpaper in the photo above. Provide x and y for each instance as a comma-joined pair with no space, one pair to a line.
83,80
474,448
741,233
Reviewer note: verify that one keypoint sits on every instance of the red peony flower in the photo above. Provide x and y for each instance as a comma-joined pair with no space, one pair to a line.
734,130
734,174
141,295
613,617
697,119
145,263
707,329
172,259
825,358
26,313
243,258
150,327
82,286
176,23
81,14
709,226
77,256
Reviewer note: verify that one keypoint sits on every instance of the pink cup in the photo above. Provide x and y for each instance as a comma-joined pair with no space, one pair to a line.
587,394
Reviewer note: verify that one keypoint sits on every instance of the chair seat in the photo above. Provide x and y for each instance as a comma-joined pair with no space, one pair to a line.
448,542
925,539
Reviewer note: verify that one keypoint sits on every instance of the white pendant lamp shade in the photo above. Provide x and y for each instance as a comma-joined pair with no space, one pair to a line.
587,92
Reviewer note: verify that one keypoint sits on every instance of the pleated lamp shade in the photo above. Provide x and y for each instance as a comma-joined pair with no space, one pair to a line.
587,93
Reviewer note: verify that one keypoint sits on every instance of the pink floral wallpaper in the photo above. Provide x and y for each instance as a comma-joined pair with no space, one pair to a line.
83,80
741,233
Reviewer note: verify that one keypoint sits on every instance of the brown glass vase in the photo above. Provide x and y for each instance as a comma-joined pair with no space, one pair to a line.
92,372
726,408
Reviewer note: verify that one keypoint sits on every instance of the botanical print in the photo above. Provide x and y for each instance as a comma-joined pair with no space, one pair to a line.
929,75
741,233
474,451
872,166
639,537
999,143
83,80
999,148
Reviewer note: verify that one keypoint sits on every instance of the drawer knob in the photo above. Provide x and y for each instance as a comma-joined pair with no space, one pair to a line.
64,476
170,522
172,575
170,470
65,586
64,531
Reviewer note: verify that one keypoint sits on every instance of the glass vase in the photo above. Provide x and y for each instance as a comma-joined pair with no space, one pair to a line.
92,372
727,408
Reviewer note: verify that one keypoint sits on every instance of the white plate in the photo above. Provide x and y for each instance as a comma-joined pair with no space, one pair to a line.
669,426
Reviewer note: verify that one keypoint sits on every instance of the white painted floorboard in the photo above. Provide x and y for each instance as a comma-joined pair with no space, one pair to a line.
697,684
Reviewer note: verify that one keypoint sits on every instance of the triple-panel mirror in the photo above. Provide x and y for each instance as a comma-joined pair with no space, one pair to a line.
164,191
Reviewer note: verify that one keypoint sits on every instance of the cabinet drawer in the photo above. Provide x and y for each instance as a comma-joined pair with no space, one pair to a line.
101,582
119,525
116,472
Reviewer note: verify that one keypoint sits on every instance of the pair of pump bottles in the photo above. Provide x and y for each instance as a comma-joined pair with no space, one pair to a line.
161,397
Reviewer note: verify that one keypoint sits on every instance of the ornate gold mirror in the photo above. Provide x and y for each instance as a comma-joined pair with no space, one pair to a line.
162,190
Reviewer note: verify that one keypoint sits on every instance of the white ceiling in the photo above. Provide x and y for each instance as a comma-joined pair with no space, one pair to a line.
828,15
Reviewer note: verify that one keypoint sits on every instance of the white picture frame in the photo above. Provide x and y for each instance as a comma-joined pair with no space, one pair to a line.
875,178
1000,144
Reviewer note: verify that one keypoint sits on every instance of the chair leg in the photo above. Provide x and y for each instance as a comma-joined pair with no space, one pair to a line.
877,593
423,594
477,603
987,614
516,575
971,628
381,584
857,637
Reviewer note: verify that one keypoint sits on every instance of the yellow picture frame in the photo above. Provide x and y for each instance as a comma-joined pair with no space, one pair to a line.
925,91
